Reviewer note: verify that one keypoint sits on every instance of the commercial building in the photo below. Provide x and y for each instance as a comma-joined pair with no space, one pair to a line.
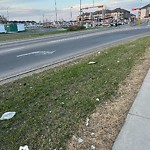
107,15
145,12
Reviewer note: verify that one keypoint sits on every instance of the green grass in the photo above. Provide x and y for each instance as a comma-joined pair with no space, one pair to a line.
23,35
49,106
33,34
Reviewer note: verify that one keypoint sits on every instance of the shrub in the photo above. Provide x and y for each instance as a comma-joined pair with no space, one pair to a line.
75,28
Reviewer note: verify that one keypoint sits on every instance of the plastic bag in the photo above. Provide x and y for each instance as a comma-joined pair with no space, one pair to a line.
7,115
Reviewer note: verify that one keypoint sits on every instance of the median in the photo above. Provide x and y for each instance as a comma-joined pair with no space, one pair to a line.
52,106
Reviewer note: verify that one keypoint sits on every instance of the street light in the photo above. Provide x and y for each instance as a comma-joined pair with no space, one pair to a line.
71,13
93,3
56,10
7,14
80,10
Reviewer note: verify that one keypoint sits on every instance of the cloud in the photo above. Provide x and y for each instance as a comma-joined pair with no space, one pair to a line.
37,9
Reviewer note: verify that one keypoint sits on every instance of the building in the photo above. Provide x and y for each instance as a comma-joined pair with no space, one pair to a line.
145,12
107,16
120,14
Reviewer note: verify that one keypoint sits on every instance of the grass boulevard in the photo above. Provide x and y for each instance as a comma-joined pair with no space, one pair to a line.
51,105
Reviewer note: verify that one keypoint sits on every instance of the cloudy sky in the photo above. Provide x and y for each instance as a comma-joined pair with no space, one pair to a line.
40,10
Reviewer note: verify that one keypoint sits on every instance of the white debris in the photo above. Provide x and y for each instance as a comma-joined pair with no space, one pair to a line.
92,133
80,140
7,115
62,103
92,62
93,147
87,121
74,137
24,147
99,52
118,61
97,99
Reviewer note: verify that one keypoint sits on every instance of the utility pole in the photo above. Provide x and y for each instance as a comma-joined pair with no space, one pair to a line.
93,3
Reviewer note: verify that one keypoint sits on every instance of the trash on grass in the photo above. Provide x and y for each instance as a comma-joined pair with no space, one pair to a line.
97,99
92,133
24,147
80,140
7,115
92,147
87,121
92,62
62,103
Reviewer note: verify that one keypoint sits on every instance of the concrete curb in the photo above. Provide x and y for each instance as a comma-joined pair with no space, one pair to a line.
135,133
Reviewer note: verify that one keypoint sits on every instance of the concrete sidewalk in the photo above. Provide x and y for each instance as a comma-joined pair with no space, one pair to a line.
135,133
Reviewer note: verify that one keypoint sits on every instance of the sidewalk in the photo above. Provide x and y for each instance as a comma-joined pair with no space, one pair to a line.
135,133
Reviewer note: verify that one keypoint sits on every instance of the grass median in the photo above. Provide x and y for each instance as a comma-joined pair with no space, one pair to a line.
26,35
50,105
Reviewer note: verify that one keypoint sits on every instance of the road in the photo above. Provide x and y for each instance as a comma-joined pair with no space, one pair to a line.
23,56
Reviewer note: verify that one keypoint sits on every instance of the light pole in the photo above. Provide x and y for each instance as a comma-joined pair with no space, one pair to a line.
56,10
93,3
7,14
80,10
71,13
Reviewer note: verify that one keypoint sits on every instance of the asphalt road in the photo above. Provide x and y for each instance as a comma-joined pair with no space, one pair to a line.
22,56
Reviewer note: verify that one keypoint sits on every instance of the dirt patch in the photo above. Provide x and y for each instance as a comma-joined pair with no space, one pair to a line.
102,127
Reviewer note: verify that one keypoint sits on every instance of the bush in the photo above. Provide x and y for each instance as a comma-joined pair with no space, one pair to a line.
75,28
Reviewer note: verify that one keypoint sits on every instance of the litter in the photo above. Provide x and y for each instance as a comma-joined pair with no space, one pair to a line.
80,140
24,147
62,103
7,115
92,62
87,121
97,99
92,147
92,133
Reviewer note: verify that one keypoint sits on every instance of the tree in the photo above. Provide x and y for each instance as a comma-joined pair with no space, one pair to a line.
3,19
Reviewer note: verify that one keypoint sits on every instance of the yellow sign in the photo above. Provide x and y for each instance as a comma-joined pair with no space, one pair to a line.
139,16
101,6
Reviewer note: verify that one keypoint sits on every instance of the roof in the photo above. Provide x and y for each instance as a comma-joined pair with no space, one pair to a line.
148,5
120,10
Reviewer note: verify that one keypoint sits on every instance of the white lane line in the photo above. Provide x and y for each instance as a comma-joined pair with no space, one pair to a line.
37,53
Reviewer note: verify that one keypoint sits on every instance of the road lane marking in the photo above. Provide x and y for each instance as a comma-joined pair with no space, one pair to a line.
37,53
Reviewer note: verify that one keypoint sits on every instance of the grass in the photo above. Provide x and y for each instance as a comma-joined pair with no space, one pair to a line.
25,35
49,106
33,34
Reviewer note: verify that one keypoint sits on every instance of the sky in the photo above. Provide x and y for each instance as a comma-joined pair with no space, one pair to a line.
39,10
